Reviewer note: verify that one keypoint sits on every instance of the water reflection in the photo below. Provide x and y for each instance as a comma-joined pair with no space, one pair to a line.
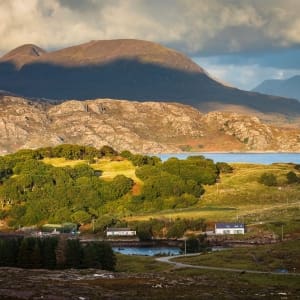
148,251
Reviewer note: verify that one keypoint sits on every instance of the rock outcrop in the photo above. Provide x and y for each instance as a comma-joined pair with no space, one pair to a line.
145,127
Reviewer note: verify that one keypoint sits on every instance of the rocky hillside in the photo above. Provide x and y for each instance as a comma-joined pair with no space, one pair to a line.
127,69
148,127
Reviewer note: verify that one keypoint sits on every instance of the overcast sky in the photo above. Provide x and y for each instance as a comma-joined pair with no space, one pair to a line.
241,42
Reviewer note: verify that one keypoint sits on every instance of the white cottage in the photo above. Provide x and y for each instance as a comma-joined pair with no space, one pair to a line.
120,232
229,228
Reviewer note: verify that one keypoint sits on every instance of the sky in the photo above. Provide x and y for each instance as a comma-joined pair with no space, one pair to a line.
240,42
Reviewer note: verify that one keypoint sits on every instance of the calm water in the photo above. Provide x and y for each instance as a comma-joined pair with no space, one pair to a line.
259,158
148,251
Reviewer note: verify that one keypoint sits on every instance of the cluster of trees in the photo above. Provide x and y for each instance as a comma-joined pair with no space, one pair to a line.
39,192
167,227
32,192
139,159
174,183
52,253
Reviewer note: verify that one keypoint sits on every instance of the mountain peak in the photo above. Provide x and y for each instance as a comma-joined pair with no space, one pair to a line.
98,52
23,54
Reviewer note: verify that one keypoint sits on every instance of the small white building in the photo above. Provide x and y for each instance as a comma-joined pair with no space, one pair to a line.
229,228
120,232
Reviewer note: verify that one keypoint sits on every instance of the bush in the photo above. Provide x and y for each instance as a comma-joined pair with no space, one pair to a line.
224,167
292,177
268,179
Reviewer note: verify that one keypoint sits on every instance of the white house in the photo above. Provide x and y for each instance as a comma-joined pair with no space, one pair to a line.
229,228
120,232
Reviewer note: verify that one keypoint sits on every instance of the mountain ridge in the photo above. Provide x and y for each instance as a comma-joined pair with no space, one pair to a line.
132,70
289,88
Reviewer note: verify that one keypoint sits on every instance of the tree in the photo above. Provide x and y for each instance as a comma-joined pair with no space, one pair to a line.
48,252
73,254
224,167
36,256
81,217
106,256
144,231
91,256
25,253
9,252
192,245
177,229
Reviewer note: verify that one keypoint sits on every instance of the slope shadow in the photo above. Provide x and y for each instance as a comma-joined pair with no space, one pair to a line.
132,80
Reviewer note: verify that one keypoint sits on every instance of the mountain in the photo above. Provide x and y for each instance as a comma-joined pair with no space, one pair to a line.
146,127
127,69
289,88
23,54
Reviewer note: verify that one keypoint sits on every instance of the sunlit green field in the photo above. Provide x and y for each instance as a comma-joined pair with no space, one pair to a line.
109,169
239,197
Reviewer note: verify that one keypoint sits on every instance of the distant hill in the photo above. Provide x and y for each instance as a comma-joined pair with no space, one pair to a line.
289,88
127,69
144,127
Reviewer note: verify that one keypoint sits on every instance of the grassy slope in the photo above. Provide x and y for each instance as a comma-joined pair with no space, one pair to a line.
240,196
109,168
237,196
284,255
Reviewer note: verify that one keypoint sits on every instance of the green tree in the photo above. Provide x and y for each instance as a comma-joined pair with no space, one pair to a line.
144,231
48,252
177,229
224,167
9,252
73,254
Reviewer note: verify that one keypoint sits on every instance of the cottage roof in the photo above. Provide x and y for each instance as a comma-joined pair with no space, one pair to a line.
229,225
118,229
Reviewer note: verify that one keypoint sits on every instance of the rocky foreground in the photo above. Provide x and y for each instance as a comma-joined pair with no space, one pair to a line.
145,127
97,284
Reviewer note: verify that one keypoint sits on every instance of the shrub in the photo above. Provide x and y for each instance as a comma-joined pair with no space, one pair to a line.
268,179
292,177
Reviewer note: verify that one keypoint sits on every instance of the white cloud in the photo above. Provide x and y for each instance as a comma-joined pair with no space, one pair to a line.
193,26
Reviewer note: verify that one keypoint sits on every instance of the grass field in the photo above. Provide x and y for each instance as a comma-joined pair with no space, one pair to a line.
62,162
268,258
111,169
239,196
236,197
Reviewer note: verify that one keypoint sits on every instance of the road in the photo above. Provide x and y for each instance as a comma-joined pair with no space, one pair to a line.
167,259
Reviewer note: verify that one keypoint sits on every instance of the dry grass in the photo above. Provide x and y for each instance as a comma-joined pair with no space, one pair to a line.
62,162
111,169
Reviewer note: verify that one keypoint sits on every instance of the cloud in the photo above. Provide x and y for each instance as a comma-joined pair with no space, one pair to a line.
197,27
243,76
